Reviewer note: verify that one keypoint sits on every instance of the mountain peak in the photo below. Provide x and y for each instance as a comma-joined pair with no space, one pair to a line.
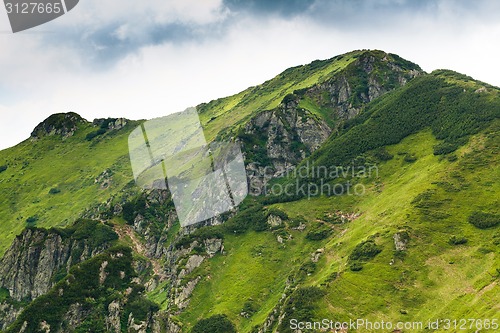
64,124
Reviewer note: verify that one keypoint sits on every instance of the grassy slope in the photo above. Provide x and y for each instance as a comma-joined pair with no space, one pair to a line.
433,280
255,268
71,166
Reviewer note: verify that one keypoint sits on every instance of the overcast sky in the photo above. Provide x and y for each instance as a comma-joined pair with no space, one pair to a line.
144,59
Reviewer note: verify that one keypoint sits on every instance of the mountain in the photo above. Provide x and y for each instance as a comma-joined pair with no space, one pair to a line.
374,195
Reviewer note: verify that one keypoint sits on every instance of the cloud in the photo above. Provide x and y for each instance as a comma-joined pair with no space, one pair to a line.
285,8
148,59
103,32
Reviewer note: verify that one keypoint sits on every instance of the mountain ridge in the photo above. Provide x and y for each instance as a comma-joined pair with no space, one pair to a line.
275,257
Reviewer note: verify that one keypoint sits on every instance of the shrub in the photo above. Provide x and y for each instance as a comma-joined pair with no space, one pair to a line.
289,98
249,308
3,168
356,267
445,148
54,190
410,158
382,154
96,232
32,219
128,210
319,232
105,123
4,294
330,218
140,307
483,220
131,209
301,306
253,217
365,251
200,235
308,268
296,221
93,134
457,240
215,324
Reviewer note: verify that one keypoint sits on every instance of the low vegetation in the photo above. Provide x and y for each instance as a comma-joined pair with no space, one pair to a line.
214,324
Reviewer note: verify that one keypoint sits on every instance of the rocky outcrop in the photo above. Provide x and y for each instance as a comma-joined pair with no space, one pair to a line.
401,239
113,323
277,140
274,221
181,299
110,123
39,258
367,78
29,267
8,314
63,124
74,317
104,179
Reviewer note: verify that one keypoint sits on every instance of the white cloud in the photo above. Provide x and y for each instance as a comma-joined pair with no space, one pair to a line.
43,73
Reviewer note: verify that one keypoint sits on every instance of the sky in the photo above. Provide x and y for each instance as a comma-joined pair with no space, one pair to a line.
146,59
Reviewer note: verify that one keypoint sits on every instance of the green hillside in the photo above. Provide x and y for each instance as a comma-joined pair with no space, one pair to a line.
51,182
411,235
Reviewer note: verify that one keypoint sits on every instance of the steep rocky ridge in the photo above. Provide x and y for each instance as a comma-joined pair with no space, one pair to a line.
39,258
277,140
29,268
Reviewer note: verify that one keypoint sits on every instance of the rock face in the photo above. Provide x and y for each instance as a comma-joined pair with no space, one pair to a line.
113,319
274,221
63,124
110,123
276,140
367,78
35,262
29,268
401,240
156,228
8,314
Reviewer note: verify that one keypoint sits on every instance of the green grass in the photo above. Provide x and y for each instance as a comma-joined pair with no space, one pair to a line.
72,166
321,112
160,295
255,267
433,279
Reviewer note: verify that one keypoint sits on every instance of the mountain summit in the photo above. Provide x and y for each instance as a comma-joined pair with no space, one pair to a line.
64,124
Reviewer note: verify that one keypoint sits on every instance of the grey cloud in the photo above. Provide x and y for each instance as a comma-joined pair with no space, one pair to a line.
282,7
101,47
358,14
